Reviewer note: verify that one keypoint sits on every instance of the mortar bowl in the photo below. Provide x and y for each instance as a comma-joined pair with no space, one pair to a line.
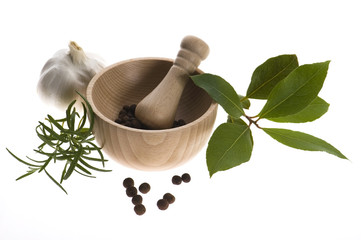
128,82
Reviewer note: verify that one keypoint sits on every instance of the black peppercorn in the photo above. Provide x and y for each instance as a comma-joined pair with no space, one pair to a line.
162,204
132,108
144,188
126,117
126,108
137,199
128,182
131,191
186,178
169,198
176,180
181,122
139,209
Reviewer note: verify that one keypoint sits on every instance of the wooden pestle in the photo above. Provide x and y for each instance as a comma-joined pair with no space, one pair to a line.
157,110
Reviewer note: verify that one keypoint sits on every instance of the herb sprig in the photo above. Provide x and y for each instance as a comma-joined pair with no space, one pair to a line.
291,95
69,141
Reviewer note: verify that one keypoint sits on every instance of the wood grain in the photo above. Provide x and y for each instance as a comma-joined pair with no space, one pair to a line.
128,82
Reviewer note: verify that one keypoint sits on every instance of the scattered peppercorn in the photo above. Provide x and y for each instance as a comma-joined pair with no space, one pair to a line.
137,199
126,117
169,198
177,180
144,188
131,191
186,178
128,182
162,204
139,209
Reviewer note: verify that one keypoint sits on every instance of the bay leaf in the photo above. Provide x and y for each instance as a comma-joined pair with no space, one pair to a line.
230,145
221,92
239,121
313,111
268,74
245,102
296,91
303,141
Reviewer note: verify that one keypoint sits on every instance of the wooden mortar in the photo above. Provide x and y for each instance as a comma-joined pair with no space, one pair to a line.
128,82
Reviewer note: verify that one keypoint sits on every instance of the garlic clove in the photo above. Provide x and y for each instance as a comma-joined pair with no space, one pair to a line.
65,73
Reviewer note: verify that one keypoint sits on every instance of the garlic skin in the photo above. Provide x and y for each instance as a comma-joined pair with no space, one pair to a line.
65,73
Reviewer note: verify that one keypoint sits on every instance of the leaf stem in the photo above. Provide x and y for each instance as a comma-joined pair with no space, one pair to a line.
251,121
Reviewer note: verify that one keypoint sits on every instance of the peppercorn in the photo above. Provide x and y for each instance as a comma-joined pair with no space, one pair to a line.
162,204
169,198
126,117
186,178
131,191
132,108
137,199
181,122
144,188
139,209
178,123
177,180
128,182
126,108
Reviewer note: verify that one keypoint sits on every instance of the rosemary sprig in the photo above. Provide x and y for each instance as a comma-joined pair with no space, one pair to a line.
65,141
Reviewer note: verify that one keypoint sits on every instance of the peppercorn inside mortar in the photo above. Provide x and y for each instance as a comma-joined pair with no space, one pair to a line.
126,117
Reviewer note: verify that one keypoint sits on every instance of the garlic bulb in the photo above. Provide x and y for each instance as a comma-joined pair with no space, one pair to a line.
65,73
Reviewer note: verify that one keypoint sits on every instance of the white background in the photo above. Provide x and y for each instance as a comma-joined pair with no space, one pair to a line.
281,193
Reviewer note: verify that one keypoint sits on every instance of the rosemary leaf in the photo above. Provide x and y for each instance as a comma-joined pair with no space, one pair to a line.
73,163
31,171
80,167
58,184
61,142
26,163
92,167
85,175
94,159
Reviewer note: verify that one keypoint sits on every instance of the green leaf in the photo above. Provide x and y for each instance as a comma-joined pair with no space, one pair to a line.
58,184
45,138
94,159
296,91
69,116
83,119
22,161
245,103
96,148
221,92
92,167
31,171
302,141
233,120
85,175
73,163
80,167
268,74
56,123
91,113
68,144
313,111
230,145
45,164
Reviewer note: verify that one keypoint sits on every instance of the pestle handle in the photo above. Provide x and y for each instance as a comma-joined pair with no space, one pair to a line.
157,110
193,51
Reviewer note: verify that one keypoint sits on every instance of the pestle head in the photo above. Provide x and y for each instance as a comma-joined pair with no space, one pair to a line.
196,45
157,110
